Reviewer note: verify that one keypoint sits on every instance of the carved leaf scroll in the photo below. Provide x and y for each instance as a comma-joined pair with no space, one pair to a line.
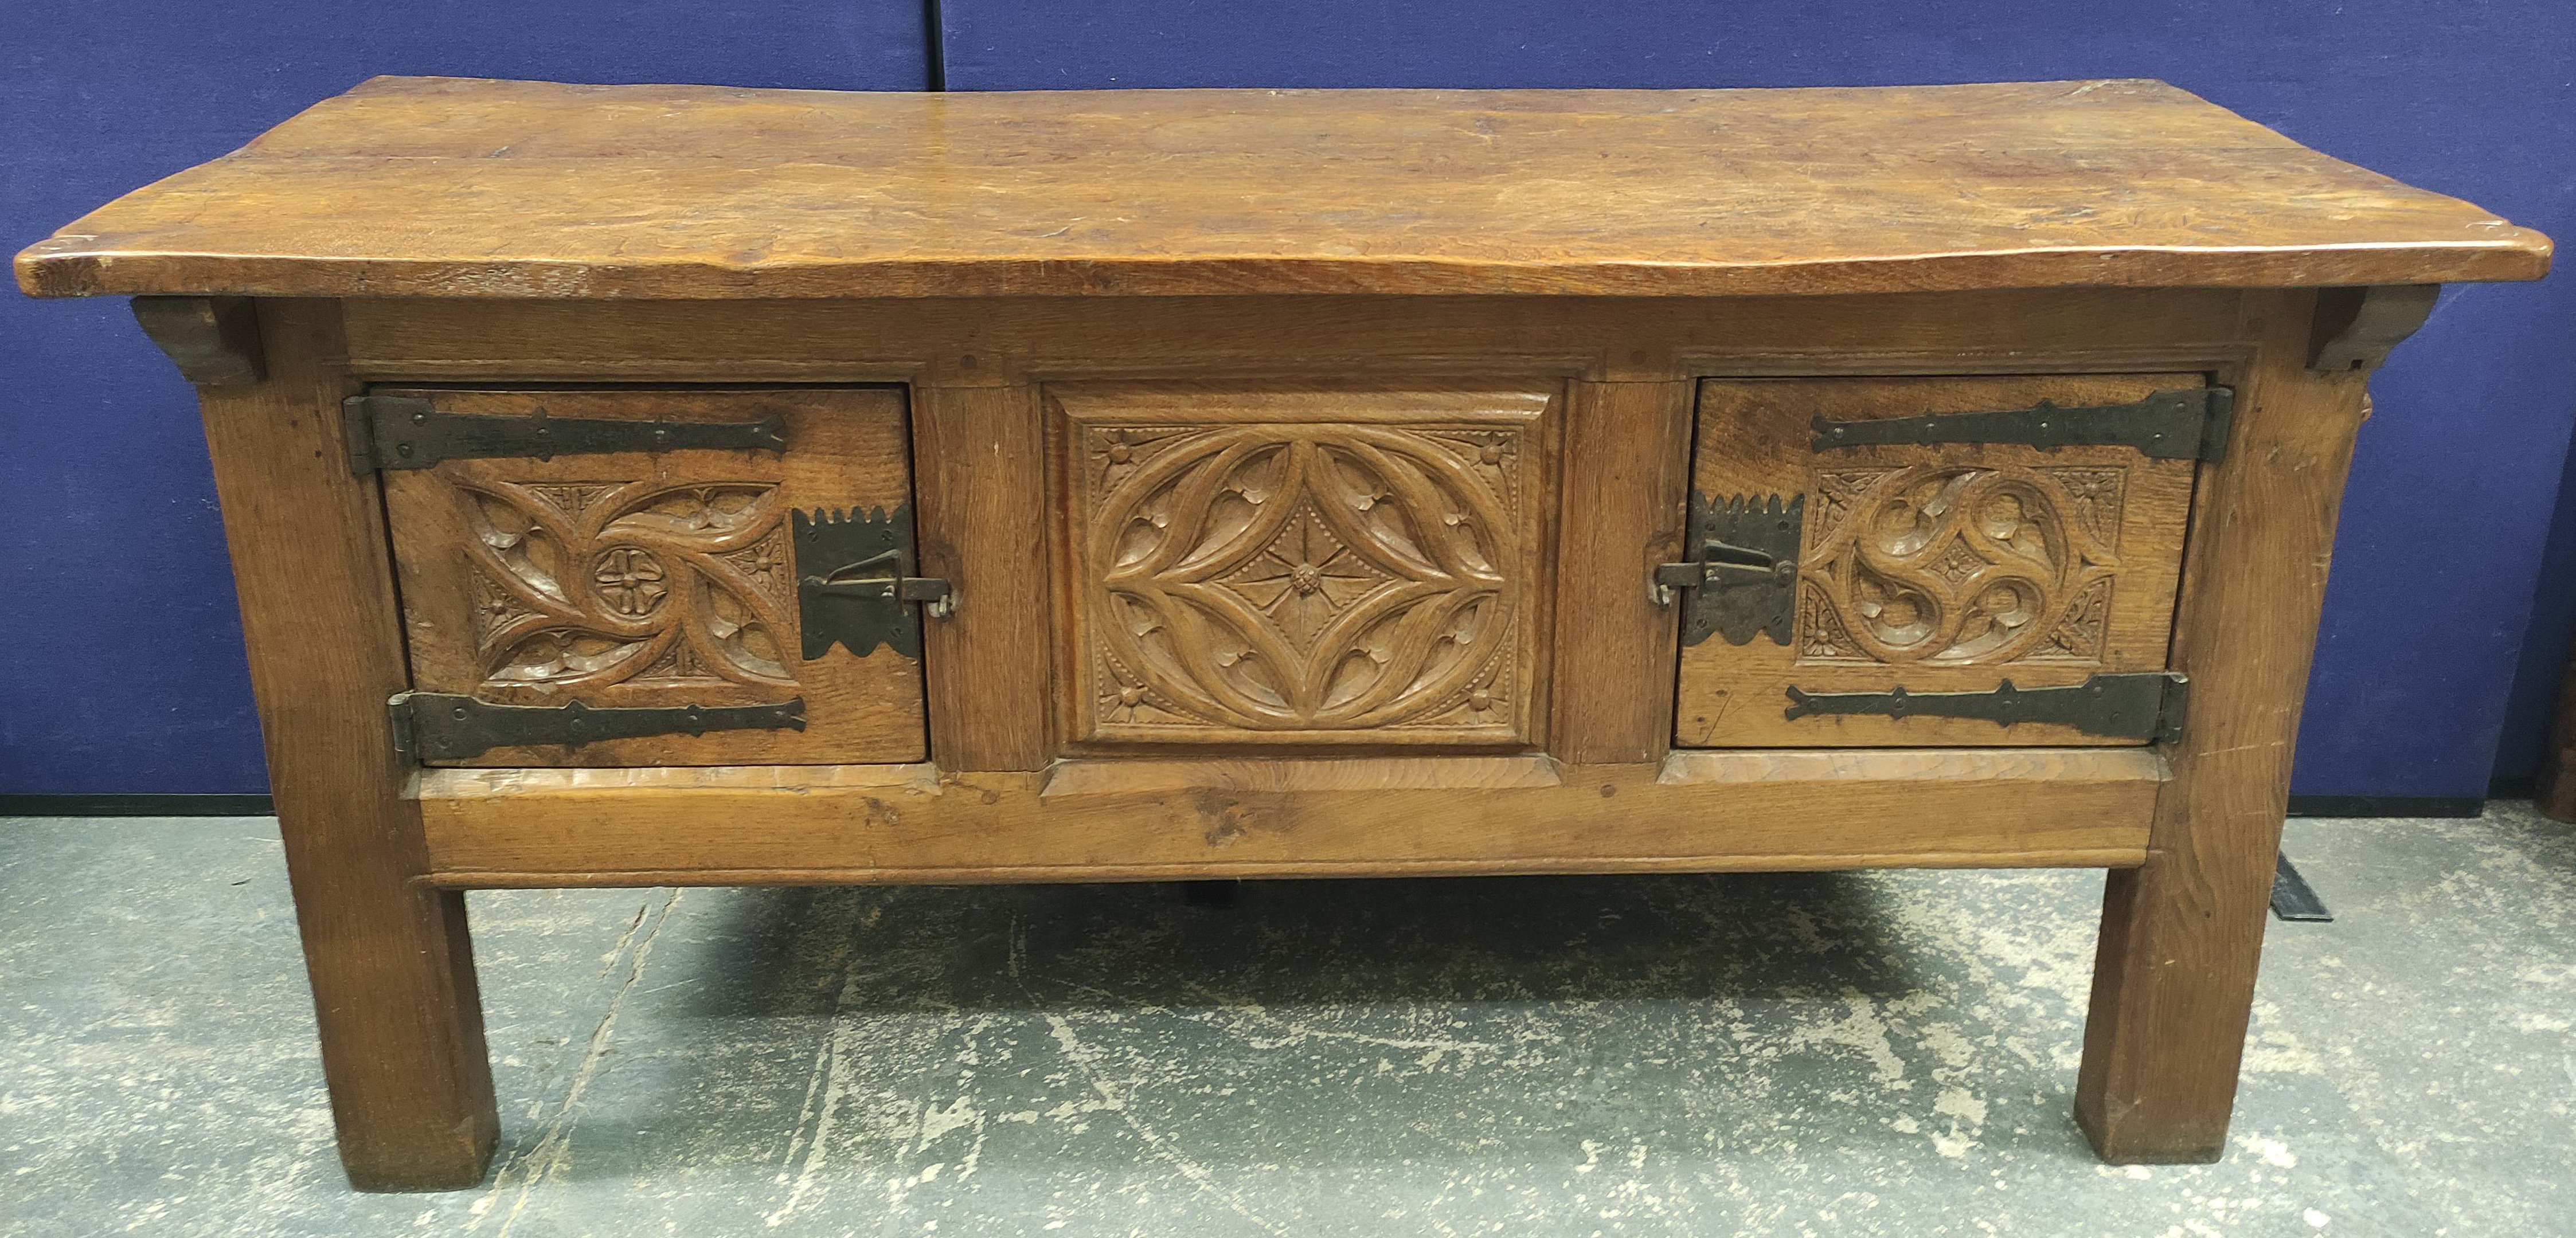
1959,565
1300,577
585,585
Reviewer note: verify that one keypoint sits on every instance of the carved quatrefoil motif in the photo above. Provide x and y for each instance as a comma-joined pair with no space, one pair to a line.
585,585
1305,577
1960,566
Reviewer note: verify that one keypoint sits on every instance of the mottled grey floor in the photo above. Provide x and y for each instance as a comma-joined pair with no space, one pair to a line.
1864,1054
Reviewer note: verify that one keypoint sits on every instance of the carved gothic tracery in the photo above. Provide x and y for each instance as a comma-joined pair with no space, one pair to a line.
585,585
1960,565
1303,577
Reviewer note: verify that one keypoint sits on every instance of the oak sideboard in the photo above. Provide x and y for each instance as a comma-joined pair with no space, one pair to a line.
643,485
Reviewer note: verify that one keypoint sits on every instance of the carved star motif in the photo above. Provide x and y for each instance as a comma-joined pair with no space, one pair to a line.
1304,578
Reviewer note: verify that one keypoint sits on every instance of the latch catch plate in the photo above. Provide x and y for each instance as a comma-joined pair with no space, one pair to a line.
1742,578
854,582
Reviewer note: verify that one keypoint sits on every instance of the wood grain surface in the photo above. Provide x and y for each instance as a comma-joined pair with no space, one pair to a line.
1627,465
973,344
461,187
982,479
1112,820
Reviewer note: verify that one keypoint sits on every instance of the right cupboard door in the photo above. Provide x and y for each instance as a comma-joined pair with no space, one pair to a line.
1932,572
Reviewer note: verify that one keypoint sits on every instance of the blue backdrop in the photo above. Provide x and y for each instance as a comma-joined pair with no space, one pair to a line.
130,673
123,668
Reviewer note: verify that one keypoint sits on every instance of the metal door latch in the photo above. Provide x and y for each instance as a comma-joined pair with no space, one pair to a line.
1742,577
854,582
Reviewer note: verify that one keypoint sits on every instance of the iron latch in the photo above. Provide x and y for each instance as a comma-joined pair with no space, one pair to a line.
441,726
2145,705
1742,577
406,432
854,582
2186,424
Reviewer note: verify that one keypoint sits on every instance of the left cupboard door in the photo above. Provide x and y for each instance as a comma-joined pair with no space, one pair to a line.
629,570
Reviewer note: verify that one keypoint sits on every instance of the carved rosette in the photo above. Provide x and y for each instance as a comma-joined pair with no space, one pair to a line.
587,585
1960,566
1276,578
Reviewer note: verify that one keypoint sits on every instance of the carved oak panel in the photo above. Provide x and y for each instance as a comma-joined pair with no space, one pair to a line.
645,579
1304,565
1944,567
595,584
1951,565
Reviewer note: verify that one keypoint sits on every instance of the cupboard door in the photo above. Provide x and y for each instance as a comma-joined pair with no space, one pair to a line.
1935,567
1302,565
635,579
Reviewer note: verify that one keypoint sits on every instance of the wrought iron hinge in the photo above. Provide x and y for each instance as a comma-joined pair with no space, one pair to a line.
440,726
405,432
854,582
2146,705
1742,577
2188,424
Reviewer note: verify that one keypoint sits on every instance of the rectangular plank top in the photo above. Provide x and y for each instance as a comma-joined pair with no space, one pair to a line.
463,187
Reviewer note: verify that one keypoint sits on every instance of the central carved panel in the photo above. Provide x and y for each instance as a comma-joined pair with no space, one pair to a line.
1358,575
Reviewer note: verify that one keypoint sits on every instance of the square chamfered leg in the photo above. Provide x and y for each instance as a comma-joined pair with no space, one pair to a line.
2173,979
392,972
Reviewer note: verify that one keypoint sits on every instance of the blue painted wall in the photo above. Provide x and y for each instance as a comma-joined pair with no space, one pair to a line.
120,650
122,670
2435,569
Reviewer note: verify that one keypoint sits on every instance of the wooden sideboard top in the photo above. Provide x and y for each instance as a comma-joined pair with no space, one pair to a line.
463,187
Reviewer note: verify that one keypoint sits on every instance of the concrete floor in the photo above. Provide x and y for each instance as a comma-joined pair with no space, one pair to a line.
1861,1054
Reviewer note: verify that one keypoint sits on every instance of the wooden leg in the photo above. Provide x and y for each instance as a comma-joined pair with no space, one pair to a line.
392,973
2173,983
2555,790
2173,979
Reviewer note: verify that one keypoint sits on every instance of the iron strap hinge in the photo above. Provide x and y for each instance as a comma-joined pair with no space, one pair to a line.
2144,705
406,432
854,582
2186,424
441,726
1742,577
